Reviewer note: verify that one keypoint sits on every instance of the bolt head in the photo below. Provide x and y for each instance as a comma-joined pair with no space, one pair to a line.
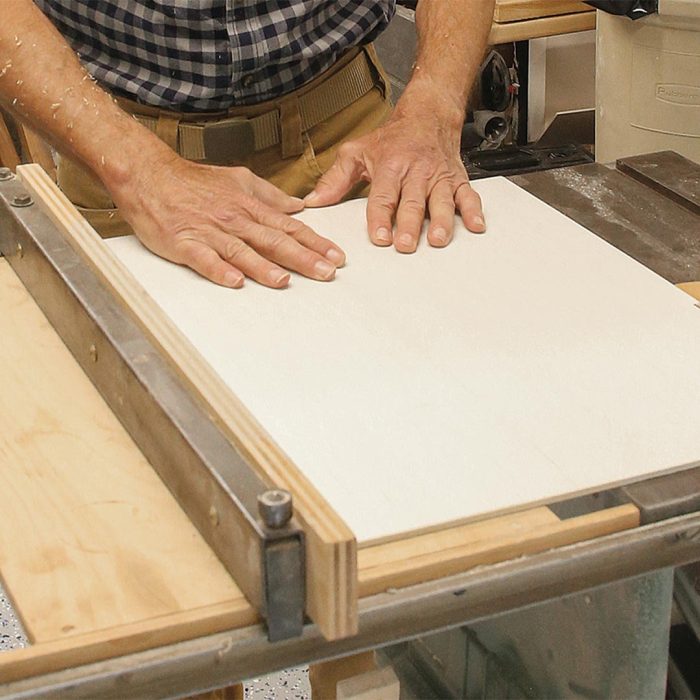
275,507
6,174
22,200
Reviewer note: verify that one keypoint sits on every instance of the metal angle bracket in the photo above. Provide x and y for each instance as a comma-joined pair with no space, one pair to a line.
248,525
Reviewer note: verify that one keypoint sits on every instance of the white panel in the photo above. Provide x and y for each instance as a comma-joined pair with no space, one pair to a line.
514,367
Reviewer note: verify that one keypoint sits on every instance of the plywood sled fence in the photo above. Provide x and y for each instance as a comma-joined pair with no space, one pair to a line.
423,410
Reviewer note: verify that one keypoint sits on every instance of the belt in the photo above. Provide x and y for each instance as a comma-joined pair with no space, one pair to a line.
231,139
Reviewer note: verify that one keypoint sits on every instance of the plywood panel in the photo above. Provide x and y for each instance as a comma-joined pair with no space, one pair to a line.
90,539
545,26
513,368
518,10
330,546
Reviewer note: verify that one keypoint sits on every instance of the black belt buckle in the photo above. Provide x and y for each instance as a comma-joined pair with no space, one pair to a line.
228,142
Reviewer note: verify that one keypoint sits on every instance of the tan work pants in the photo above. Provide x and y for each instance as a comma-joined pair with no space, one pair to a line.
295,175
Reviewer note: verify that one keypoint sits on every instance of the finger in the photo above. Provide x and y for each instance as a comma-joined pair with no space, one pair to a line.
470,208
208,263
347,170
442,214
303,234
410,216
274,197
239,254
381,207
279,247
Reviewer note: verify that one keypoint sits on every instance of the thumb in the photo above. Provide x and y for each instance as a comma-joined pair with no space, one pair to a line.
338,180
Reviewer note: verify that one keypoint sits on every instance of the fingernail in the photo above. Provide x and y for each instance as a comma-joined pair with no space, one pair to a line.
479,221
406,240
311,197
440,236
383,235
324,269
233,279
278,277
336,257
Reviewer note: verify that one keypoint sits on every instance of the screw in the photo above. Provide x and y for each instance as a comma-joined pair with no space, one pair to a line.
22,200
93,353
19,250
275,508
214,516
5,174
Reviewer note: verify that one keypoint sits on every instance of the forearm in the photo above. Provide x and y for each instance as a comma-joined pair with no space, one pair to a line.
43,83
452,36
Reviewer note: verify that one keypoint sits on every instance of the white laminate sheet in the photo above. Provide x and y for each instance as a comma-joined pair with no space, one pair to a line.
519,366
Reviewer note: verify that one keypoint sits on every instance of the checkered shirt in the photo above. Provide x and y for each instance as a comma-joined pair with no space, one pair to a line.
196,55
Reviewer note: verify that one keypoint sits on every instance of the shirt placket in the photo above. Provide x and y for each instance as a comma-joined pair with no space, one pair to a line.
246,44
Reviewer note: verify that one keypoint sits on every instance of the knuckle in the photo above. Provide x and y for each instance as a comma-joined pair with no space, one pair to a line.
295,228
229,217
383,200
347,150
241,174
394,165
413,205
268,240
234,248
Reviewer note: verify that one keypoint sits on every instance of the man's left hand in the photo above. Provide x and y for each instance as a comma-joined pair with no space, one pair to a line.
414,167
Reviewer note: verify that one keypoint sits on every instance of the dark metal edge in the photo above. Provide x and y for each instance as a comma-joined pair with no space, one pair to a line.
211,481
388,618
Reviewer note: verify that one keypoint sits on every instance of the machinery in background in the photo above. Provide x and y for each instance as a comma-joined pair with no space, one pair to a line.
648,82
495,133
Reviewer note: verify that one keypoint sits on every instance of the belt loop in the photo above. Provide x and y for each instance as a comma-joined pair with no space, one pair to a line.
167,130
290,127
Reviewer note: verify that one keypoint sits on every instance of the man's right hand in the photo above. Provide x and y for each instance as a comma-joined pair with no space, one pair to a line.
224,223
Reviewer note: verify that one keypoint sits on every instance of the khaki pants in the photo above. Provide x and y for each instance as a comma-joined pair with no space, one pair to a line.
295,175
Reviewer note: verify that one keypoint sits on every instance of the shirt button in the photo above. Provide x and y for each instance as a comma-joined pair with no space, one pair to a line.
247,80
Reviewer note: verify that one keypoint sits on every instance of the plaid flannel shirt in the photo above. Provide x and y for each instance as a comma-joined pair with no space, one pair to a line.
194,55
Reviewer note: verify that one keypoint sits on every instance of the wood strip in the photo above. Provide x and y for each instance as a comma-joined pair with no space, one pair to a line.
537,28
518,10
692,288
669,173
331,561
106,644
9,158
91,538
448,552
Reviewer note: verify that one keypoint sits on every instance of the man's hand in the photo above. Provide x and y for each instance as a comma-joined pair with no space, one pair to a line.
414,168
413,162
224,223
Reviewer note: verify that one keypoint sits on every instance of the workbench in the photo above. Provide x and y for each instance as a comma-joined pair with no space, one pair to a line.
521,20
177,652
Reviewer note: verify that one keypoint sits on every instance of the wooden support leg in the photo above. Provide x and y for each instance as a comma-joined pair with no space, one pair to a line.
37,150
231,692
353,678
9,158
